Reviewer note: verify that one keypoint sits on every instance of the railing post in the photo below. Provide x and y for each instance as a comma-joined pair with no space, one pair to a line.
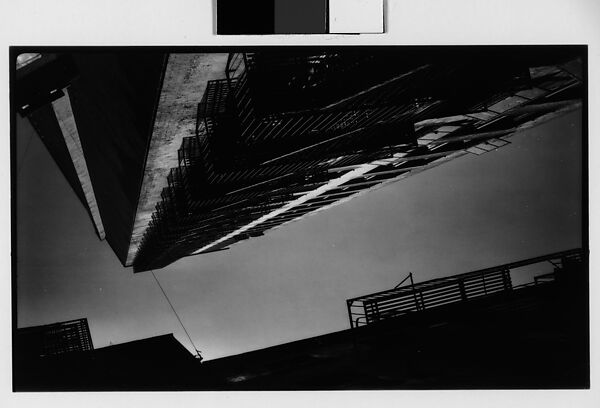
416,300
484,287
412,286
506,279
349,305
461,288
376,310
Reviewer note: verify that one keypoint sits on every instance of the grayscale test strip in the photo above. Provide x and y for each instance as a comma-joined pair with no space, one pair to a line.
299,17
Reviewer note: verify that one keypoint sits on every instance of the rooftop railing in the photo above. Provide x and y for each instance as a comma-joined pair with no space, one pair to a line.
465,287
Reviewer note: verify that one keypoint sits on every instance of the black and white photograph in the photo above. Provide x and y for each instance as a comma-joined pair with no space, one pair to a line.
313,219
301,218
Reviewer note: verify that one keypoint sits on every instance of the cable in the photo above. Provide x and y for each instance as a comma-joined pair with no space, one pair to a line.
176,315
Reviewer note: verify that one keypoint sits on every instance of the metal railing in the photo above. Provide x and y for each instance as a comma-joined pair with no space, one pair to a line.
420,296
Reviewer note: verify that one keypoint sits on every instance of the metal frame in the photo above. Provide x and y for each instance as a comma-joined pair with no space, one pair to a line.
367,309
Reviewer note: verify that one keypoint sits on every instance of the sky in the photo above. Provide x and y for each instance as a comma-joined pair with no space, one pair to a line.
520,201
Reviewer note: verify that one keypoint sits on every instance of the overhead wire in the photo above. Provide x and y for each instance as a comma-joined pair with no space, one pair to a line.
20,166
176,315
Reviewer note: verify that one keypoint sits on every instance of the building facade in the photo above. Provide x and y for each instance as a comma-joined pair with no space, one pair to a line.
183,154
54,339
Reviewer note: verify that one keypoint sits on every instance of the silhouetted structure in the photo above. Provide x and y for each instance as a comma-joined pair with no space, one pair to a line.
535,335
155,363
182,154
94,113
53,339
395,302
